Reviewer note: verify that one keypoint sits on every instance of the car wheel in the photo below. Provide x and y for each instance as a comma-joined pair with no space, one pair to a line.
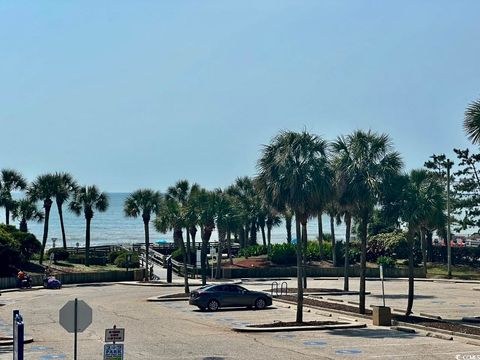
213,305
260,304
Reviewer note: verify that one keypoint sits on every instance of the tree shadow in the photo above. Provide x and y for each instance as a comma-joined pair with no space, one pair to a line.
403,296
372,333
234,310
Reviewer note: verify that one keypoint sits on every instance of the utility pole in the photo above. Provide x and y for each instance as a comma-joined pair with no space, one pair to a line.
449,247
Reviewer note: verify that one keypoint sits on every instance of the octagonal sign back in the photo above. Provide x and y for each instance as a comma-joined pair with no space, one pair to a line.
67,316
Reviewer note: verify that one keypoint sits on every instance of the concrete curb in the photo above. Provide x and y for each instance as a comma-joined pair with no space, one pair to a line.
298,328
394,322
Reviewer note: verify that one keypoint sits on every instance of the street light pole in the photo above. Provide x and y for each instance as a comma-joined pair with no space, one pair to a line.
449,247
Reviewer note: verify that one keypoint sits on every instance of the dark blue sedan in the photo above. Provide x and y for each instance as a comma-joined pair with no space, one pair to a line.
213,297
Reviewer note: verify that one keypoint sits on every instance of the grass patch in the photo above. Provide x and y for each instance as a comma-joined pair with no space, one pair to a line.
458,272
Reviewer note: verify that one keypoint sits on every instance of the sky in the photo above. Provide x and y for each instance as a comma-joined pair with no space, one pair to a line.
134,94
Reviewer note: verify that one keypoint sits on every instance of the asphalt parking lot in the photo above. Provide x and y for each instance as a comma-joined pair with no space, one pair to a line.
175,330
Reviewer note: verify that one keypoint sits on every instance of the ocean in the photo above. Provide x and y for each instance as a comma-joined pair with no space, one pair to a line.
112,227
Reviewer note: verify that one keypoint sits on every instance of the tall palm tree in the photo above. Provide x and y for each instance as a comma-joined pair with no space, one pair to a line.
205,203
422,196
144,203
11,180
66,187
26,210
171,216
293,172
44,188
88,199
364,160
471,123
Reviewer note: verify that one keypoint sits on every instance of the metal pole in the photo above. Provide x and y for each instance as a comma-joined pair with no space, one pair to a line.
449,248
75,313
383,288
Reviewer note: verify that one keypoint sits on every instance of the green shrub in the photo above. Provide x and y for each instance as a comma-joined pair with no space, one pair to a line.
29,245
60,254
10,255
254,250
283,254
94,260
386,261
121,260
114,254
177,255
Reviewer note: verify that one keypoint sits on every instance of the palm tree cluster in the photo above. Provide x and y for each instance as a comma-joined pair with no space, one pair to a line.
46,188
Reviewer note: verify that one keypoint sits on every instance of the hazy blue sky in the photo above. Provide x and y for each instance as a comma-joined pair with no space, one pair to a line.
129,94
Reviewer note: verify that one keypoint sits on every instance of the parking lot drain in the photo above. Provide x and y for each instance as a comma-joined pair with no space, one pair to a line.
348,352
314,343
213,358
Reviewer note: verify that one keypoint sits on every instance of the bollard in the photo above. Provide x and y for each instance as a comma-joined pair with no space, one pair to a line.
169,269
18,335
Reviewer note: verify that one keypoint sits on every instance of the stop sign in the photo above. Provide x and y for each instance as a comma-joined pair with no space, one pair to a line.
67,316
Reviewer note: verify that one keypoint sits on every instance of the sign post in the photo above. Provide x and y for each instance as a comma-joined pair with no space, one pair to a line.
75,316
114,351
383,289
18,335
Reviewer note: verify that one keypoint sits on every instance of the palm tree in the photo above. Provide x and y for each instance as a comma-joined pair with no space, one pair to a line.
364,160
422,196
11,180
44,188
26,210
143,202
171,216
66,187
205,204
293,172
471,123
88,199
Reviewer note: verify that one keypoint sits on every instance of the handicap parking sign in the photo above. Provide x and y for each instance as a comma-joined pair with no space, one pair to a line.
113,352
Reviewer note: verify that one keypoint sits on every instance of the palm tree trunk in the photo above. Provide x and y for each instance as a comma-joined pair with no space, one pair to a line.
288,227
304,257
147,246
348,224
262,228
7,214
424,250
320,233
62,225
253,234
221,239
429,246
410,274
334,244
23,225
363,261
47,204
269,237
206,234
188,247
87,240
193,233
299,280
185,269
298,230
241,236
229,246
247,239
